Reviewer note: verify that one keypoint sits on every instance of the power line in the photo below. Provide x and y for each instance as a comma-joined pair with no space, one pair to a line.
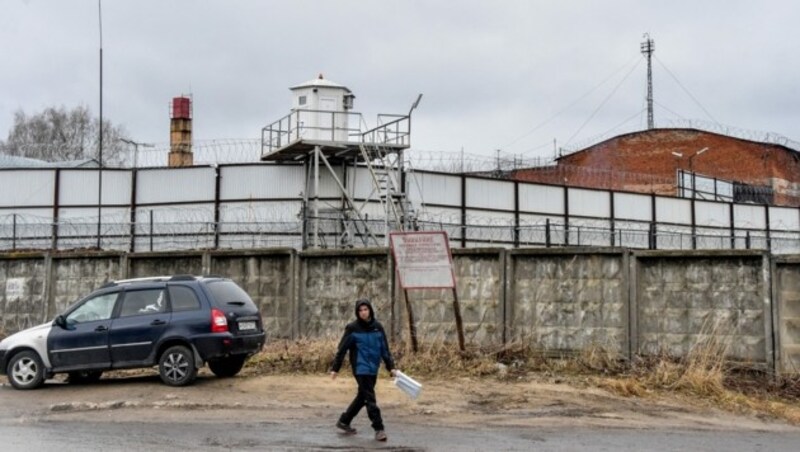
603,103
557,114
666,108
687,91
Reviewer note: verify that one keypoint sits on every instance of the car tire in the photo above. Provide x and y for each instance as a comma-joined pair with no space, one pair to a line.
25,370
176,366
227,367
85,377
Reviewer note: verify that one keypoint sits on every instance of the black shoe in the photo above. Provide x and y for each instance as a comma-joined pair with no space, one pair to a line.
345,428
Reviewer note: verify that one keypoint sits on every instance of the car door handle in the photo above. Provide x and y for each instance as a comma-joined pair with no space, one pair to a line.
101,328
157,322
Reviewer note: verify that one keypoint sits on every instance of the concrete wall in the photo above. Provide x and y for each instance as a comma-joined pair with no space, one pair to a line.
556,299
569,299
787,301
331,281
480,285
22,282
268,277
73,277
682,297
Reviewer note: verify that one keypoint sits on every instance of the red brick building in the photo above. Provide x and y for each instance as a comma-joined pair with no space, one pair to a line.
650,161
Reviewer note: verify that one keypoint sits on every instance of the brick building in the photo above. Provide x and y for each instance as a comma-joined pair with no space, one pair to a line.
663,161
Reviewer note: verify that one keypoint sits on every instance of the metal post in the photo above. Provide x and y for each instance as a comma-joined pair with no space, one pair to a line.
459,322
100,127
547,232
14,233
412,328
316,196
151,230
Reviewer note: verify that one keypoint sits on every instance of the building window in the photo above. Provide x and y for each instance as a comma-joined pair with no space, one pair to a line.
301,100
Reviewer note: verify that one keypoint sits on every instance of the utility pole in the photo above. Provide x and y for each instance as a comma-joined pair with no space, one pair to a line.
648,47
100,138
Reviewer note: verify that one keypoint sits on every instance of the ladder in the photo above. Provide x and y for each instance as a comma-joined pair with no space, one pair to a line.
385,168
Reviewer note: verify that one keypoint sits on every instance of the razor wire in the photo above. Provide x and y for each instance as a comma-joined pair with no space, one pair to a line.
699,124
27,232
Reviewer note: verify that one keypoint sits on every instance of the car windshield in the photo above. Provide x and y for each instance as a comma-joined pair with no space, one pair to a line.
228,293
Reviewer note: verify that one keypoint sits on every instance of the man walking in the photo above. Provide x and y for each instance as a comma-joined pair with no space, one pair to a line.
365,339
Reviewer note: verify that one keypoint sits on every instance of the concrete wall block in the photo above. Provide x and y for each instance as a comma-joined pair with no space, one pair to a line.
791,303
703,302
77,277
653,297
267,279
706,300
790,358
676,321
561,301
667,343
478,277
165,265
571,339
332,286
748,275
21,293
747,299
791,331
750,322
747,348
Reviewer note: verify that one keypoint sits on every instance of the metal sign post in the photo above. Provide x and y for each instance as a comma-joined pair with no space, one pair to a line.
423,261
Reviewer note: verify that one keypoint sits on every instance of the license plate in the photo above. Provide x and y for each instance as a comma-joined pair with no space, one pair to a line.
246,326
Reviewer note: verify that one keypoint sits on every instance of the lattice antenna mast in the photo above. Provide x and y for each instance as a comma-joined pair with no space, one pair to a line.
648,47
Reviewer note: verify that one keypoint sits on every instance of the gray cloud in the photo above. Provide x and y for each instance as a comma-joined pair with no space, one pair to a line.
490,71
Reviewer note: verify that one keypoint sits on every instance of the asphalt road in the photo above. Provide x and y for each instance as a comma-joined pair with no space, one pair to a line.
96,435
140,414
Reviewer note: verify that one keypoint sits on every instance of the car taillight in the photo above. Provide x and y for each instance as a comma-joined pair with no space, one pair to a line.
219,324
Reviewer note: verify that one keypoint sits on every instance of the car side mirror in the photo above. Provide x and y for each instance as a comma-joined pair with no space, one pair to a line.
61,321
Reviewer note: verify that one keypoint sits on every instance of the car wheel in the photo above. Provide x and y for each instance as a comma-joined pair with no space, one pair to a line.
85,377
227,367
25,370
176,366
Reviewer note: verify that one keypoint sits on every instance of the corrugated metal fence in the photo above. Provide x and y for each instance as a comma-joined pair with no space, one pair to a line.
262,205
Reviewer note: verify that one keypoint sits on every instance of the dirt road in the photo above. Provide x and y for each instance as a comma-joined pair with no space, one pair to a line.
457,402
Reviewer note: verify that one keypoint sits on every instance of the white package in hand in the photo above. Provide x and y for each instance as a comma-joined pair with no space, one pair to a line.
411,387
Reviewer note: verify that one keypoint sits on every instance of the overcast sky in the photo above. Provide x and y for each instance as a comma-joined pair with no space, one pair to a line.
510,75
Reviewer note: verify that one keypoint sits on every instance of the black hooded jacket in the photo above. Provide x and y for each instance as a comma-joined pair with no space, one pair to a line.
367,344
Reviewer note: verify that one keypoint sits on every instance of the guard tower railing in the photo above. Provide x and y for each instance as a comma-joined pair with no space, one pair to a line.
319,125
391,129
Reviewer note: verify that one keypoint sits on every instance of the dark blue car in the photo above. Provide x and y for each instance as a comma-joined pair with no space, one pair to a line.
177,323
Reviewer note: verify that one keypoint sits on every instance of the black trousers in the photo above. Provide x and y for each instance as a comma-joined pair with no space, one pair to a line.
365,397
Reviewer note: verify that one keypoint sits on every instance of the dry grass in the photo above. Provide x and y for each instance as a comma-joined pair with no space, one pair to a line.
707,377
703,376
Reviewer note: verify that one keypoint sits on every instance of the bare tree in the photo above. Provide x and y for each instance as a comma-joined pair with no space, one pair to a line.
58,134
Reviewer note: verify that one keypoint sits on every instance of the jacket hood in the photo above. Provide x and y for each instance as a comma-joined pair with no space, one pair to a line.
362,302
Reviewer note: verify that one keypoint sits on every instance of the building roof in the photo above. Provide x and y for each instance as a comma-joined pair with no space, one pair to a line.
320,82
15,161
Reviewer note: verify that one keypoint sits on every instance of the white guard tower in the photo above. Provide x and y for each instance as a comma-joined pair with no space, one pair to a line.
354,180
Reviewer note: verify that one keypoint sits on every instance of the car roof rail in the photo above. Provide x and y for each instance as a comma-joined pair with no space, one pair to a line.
183,278
145,279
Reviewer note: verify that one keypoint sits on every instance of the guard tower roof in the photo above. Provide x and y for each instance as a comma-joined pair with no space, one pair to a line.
320,82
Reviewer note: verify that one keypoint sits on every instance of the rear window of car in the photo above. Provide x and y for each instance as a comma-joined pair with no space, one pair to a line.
183,299
228,293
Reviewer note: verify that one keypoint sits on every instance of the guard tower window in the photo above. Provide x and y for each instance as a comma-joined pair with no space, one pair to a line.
301,100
